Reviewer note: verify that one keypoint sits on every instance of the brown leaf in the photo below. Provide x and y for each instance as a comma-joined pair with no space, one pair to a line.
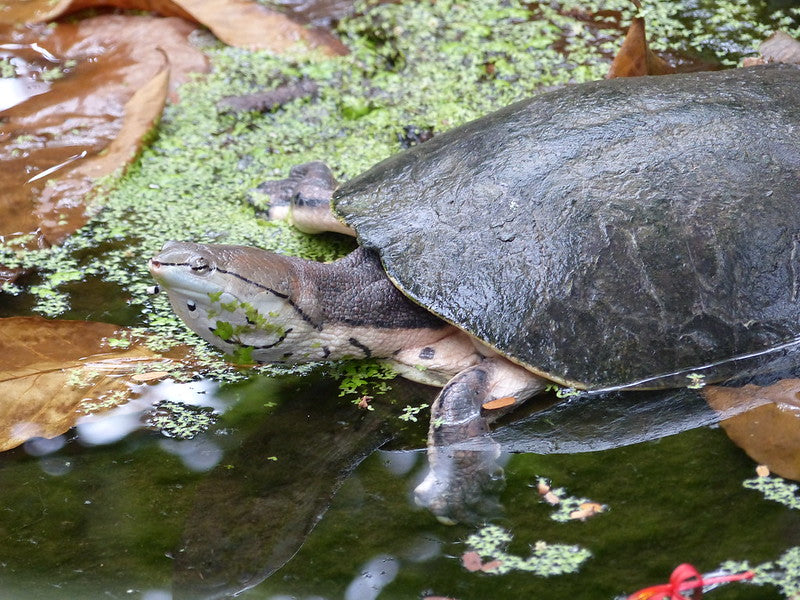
498,403
31,11
634,58
586,510
491,565
472,561
765,422
88,123
241,23
38,11
780,47
54,372
247,24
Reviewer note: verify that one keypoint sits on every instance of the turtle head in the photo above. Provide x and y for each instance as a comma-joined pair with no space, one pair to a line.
237,298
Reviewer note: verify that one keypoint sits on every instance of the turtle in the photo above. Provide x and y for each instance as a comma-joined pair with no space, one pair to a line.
628,233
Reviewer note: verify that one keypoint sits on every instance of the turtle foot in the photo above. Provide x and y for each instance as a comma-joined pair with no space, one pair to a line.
464,478
304,198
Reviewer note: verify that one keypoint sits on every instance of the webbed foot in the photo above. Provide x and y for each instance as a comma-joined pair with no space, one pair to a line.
462,485
304,198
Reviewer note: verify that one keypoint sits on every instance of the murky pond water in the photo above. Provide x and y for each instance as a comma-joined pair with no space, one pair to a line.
287,490
147,516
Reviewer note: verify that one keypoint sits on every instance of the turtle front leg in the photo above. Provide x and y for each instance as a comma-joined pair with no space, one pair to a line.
304,198
462,483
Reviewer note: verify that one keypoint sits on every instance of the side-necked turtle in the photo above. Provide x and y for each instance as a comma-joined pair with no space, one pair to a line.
599,235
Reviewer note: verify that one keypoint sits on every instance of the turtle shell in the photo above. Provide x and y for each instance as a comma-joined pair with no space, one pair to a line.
605,233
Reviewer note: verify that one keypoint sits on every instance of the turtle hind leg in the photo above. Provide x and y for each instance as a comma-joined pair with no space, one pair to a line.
304,198
463,478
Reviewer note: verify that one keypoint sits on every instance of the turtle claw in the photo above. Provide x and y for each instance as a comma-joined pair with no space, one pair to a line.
309,185
462,484
304,198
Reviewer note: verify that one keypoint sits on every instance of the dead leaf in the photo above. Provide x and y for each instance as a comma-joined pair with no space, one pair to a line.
247,24
89,122
151,376
499,403
491,565
780,47
38,11
551,498
634,58
586,510
54,372
765,422
472,561
241,23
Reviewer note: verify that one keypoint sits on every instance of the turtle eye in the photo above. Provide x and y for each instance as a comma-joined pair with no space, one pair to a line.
191,305
199,264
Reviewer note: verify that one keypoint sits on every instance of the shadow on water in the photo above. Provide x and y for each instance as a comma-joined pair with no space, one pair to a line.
252,513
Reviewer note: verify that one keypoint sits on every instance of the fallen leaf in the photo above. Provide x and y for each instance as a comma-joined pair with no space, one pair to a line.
147,377
498,403
269,100
586,510
89,121
472,561
38,11
491,565
634,58
55,372
780,47
551,498
241,23
247,24
763,421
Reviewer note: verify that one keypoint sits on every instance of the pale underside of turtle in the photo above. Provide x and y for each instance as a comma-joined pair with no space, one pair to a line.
607,233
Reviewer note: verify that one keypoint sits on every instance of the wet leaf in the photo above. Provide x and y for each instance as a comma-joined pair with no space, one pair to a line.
37,11
241,23
472,561
247,24
498,403
780,47
765,422
91,117
54,372
634,58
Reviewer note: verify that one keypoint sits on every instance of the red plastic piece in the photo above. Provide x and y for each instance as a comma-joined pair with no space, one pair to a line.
685,578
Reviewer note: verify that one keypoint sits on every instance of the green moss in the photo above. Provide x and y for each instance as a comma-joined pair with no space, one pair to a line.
776,489
783,573
545,560
360,378
178,420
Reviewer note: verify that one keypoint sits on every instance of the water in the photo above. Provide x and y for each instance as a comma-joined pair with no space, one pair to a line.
236,509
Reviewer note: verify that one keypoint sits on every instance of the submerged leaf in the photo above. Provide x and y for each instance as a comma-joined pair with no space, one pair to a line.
766,422
90,119
54,372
